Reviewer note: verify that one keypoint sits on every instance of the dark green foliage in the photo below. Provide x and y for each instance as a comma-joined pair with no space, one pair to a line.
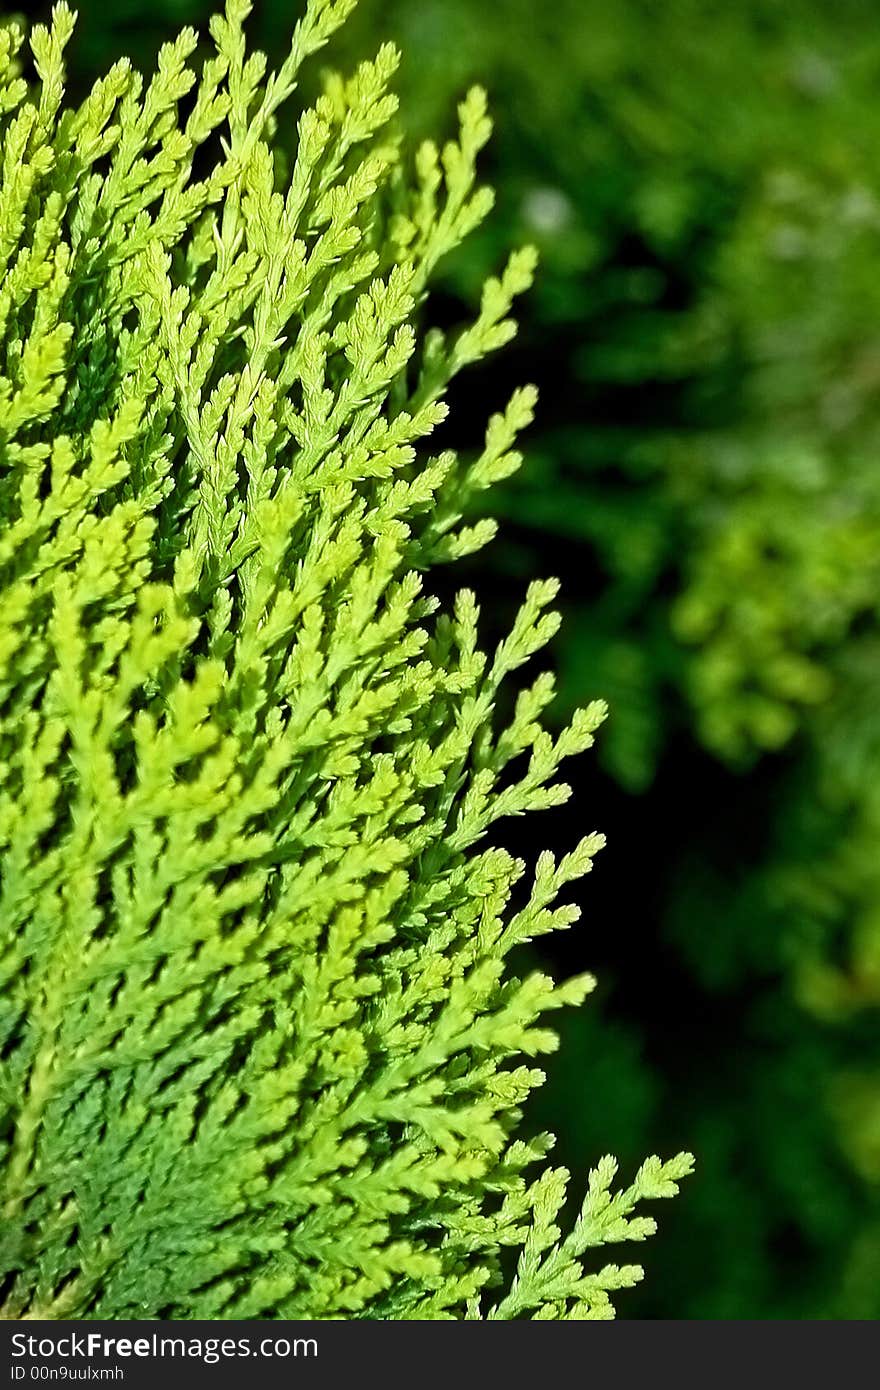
710,233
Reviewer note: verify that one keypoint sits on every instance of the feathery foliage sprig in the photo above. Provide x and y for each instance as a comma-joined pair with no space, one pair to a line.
262,1052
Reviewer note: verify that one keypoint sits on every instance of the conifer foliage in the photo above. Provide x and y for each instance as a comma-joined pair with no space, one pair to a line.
261,1049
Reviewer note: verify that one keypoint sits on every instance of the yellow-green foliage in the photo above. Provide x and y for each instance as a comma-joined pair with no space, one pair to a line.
262,1053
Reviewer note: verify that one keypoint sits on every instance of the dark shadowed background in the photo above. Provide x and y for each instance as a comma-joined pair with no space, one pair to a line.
703,182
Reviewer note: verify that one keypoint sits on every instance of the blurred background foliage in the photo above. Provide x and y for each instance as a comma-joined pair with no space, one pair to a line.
703,184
